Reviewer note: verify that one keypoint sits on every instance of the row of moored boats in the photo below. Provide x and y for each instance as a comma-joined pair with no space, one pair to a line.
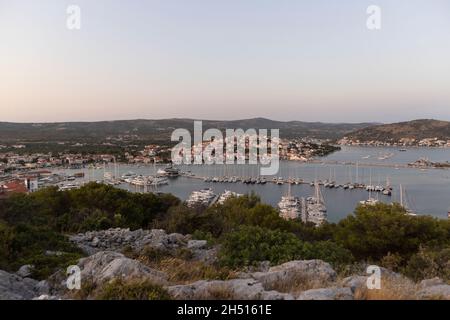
207,197
309,210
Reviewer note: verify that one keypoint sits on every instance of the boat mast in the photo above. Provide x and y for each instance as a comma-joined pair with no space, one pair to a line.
350,175
115,168
401,195
289,190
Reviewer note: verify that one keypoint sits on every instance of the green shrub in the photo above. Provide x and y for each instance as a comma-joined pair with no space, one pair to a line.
248,245
201,235
328,251
7,236
97,220
45,265
392,261
27,244
185,220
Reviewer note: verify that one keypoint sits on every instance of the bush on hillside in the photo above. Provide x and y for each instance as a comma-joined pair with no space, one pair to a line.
249,245
375,231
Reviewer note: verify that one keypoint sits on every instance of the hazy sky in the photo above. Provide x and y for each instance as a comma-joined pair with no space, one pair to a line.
227,59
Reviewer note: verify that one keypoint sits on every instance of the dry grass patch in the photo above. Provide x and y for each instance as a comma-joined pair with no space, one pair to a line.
218,292
391,289
134,289
297,283
182,271
120,289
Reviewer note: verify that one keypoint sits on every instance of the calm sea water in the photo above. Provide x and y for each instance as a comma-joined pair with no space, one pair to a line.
427,191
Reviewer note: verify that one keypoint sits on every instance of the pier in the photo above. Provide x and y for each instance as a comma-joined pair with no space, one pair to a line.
281,181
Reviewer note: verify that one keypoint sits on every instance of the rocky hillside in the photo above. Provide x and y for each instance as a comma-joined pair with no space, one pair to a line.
147,264
417,129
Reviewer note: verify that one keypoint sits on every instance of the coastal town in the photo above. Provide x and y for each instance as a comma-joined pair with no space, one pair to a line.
22,171
403,142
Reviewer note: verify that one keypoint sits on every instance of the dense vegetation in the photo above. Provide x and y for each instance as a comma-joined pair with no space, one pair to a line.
159,131
33,230
32,227
55,148
249,244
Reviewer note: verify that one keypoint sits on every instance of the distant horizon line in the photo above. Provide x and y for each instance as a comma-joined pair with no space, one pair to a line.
215,120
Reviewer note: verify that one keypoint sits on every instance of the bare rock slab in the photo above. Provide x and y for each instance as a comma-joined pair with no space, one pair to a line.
107,265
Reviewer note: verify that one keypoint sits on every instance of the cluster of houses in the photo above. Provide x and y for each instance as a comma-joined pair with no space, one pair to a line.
288,149
150,154
303,149
403,142
434,142
13,161
18,162
21,183
23,173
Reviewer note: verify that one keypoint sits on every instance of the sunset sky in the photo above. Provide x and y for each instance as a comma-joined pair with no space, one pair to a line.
228,59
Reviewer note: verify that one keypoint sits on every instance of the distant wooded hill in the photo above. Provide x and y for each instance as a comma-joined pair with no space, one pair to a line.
161,130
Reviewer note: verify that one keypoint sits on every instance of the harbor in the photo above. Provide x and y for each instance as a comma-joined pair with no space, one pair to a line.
346,179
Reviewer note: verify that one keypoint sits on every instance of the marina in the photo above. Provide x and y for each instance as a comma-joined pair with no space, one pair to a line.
345,178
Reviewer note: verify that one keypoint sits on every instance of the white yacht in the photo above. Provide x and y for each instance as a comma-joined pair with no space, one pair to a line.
158,181
141,180
128,176
289,206
227,195
204,197
315,210
69,186
369,202
168,172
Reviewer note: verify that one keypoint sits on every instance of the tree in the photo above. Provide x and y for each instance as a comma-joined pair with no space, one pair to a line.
6,244
374,231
